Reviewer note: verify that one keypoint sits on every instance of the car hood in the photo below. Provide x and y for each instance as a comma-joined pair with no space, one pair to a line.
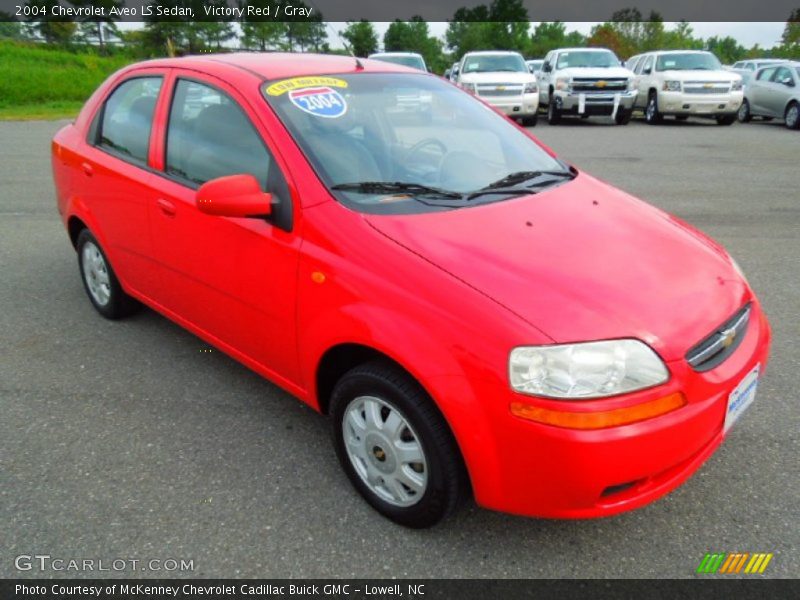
583,261
498,76
594,72
701,75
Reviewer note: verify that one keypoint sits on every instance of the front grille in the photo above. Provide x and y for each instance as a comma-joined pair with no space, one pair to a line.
721,343
596,84
499,89
706,87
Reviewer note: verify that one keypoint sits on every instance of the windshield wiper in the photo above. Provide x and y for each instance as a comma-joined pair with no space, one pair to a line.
509,183
393,187
522,177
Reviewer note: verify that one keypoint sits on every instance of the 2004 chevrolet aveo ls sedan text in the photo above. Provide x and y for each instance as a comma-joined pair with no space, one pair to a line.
475,315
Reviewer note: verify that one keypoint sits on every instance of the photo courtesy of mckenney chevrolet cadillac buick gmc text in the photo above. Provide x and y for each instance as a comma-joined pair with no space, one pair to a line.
474,315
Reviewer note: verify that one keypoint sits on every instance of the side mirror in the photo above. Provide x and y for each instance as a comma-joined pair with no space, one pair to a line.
647,70
787,81
547,67
233,196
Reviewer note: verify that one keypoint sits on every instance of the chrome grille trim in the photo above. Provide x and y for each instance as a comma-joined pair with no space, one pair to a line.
721,343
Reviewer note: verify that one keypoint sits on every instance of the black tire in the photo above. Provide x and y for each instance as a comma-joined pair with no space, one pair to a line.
530,121
623,117
726,119
651,112
791,116
744,115
118,304
553,114
445,472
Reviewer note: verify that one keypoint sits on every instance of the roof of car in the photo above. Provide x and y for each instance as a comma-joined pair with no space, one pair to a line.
681,52
280,65
582,49
395,54
485,52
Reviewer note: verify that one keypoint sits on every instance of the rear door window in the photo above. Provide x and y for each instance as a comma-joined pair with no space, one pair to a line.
127,119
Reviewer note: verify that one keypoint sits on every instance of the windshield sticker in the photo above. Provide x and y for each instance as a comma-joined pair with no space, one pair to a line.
319,101
298,83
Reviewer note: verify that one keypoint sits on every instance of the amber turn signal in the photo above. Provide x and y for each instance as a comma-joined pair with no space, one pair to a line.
600,419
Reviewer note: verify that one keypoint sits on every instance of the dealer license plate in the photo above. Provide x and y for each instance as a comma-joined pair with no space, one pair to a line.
741,397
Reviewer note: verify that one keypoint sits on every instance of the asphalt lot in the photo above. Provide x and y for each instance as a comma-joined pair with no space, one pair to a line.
126,440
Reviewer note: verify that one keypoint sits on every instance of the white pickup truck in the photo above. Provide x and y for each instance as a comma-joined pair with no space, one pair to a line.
586,82
686,83
503,80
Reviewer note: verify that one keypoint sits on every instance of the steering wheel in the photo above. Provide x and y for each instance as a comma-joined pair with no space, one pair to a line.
419,146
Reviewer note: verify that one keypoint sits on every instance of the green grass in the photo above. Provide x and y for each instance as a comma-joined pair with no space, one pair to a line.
37,82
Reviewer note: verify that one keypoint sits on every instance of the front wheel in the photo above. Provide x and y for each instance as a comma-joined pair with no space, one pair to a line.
530,121
101,284
553,114
395,446
651,112
744,114
623,117
792,116
726,119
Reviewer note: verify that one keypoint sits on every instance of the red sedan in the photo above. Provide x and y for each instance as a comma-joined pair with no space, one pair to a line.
475,315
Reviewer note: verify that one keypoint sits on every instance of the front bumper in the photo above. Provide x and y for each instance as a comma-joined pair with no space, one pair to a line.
680,103
593,103
515,106
548,471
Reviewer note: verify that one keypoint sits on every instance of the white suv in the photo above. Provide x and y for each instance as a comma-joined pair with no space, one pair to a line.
502,79
585,82
686,83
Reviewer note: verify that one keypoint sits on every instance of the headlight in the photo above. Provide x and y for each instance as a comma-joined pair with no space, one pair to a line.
585,370
672,86
530,88
737,86
562,83
470,87
631,85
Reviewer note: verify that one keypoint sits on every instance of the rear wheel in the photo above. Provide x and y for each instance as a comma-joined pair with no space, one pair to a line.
744,115
99,280
726,119
651,113
395,446
792,116
553,113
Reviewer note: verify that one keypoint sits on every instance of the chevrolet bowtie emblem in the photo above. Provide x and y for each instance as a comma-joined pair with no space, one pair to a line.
708,85
728,337
601,84
500,88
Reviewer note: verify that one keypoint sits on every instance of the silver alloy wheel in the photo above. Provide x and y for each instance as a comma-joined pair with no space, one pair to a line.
744,111
792,116
385,451
95,273
651,109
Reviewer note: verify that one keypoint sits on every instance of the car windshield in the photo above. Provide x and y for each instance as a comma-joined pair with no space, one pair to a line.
587,58
397,143
535,64
489,63
691,61
415,62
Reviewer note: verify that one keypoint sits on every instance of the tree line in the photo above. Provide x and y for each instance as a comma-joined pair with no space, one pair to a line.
500,25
